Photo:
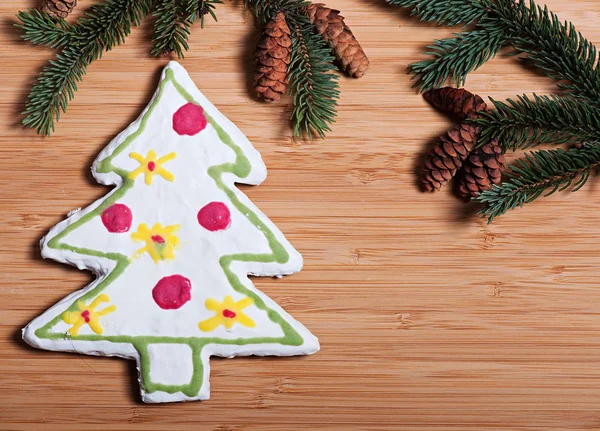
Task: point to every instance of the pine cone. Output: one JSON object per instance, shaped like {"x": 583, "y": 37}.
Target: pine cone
{"x": 273, "y": 56}
{"x": 447, "y": 157}
{"x": 456, "y": 101}
{"x": 482, "y": 169}
{"x": 58, "y": 8}
{"x": 330, "y": 24}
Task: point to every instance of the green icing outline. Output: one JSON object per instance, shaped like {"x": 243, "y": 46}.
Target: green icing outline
{"x": 241, "y": 168}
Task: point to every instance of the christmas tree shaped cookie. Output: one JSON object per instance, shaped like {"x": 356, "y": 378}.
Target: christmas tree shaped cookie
{"x": 172, "y": 246}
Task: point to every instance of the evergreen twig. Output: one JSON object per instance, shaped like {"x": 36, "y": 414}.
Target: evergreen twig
{"x": 526, "y": 122}
{"x": 206, "y": 7}
{"x": 199, "y": 9}
{"x": 556, "y": 48}
{"x": 174, "y": 19}
{"x": 541, "y": 173}
{"x": 103, "y": 27}
{"x": 267, "y": 9}
{"x": 172, "y": 27}
{"x": 41, "y": 29}
{"x": 454, "y": 58}
{"x": 312, "y": 83}
{"x": 448, "y": 12}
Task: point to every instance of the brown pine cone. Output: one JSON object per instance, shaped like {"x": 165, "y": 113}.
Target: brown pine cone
{"x": 58, "y": 8}
{"x": 273, "y": 56}
{"x": 456, "y": 101}
{"x": 330, "y": 24}
{"x": 448, "y": 155}
{"x": 482, "y": 169}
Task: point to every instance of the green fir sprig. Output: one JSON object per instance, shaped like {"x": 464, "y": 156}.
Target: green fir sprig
{"x": 446, "y": 12}
{"x": 552, "y": 46}
{"x": 454, "y": 58}
{"x": 103, "y": 27}
{"x": 201, "y": 8}
{"x": 527, "y": 122}
{"x": 541, "y": 173}
{"x": 313, "y": 84}
{"x": 556, "y": 48}
{"x": 171, "y": 27}
{"x": 266, "y": 10}
{"x": 40, "y": 29}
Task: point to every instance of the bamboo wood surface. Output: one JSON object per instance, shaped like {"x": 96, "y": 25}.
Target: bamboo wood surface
{"x": 429, "y": 319}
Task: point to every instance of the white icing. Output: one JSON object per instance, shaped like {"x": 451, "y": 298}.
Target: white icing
{"x": 75, "y": 211}
{"x": 196, "y": 257}
{"x": 170, "y": 363}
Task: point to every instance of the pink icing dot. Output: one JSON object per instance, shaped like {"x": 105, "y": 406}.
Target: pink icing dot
{"x": 189, "y": 120}
{"x": 229, "y": 314}
{"x": 157, "y": 239}
{"x": 171, "y": 292}
{"x": 117, "y": 218}
{"x": 214, "y": 216}
{"x": 151, "y": 166}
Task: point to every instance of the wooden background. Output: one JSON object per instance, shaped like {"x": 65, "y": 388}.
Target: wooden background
{"x": 429, "y": 319}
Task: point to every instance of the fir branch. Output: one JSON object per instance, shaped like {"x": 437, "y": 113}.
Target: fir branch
{"x": 267, "y": 9}
{"x": 541, "y": 172}
{"x": 557, "y": 49}
{"x": 41, "y": 29}
{"x": 199, "y": 9}
{"x": 312, "y": 83}
{"x": 526, "y": 123}
{"x": 454, "y": 58}
{"x": 172, "y": 27}
{"x": 448, "y": 12}
{"x": 207, "y": 7}
{"x": 103, "y": 27}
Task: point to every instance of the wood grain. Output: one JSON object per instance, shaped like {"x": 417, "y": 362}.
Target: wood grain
{"x": 429, "y": 319}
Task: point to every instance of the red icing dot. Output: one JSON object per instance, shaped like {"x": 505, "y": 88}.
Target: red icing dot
{"x": 214, "y": 216}
{"x": 86, "y": 316}
{"x": 171, "y": 292}
{"x": 229, "y": 314}
{"x": 157, "y": 239}
{"x": 189, "y": 120}
{"x": 117, "y": 218}
{"x": 151, "y": 166}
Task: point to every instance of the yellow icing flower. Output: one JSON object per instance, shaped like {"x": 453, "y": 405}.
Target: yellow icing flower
{"x": 150, "y": 166}
{"x": 228, "y": 313}
{"x": 87, "y": 315}
{"x": 160, "y": 241}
